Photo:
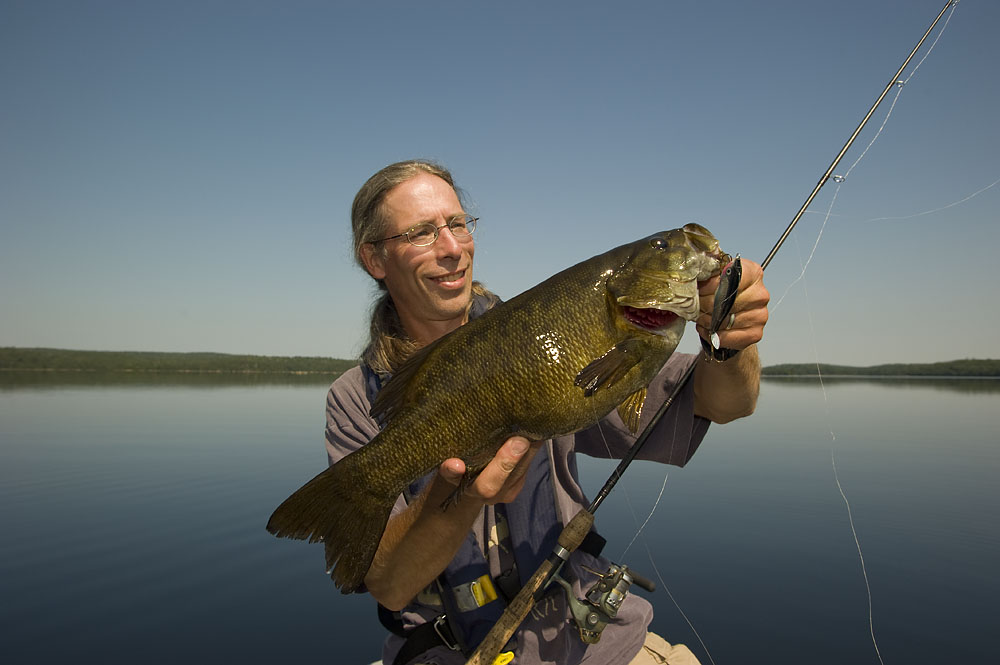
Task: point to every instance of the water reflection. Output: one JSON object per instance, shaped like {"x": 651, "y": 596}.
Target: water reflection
{"x": 136, "y": 509}
{"x": 947, "y": 384}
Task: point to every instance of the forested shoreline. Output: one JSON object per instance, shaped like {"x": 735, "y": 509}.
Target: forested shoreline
{"x": 42, "y": 359}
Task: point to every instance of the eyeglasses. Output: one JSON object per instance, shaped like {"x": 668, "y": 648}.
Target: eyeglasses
{"x": 426, "y": 233}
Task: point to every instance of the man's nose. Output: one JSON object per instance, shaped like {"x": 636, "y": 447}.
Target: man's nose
{"x": 448, "y": 243}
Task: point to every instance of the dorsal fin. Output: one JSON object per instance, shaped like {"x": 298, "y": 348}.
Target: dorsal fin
{"x": 396, "y": 392}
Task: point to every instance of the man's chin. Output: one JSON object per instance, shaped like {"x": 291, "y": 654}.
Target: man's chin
{"x": 456, "y": 305}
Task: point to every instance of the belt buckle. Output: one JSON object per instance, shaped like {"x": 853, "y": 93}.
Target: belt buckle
{"x": 438, "y": 622}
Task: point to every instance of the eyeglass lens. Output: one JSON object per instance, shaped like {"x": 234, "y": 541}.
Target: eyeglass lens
{"x": 426, "y": 233}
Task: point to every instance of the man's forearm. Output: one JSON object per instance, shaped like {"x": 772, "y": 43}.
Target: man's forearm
{"x": 725, "y": 391}
{"x": 418, "y": 544}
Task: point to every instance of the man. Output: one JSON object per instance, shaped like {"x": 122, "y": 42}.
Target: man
{"x": 414, "y": 237}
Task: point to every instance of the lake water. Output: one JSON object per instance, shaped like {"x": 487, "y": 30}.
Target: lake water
{"x": 134, "y": 512}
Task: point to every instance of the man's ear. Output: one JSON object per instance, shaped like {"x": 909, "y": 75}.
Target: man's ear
{"x": 373, "y": 260}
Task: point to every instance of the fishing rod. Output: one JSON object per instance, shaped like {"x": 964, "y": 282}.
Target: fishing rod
{"x": 895, "y": 80}
{"x": 634, "y": 450}
{"x": 578, "y": 528}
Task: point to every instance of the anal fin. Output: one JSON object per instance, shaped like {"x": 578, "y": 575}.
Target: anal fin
{"x": 631, "y": 409}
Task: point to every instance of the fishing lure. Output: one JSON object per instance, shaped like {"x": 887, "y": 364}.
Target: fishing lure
{"x": 725, "y": 296}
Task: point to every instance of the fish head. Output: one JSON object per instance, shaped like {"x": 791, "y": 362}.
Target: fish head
{"x": 656, "y": 287}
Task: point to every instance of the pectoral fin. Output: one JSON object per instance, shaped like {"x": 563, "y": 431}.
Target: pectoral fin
{"x": 610, "y": 367}
{"x": 631, "y": 409}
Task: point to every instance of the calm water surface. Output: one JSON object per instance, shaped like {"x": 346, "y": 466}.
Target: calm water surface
{"x": 134, "y": 517}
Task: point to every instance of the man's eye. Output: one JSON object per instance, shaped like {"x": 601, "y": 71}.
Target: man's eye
{"x": 421, "y": 232}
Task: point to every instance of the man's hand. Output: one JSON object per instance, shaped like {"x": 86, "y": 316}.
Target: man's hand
{"x": 724, "y": 391}
{"x": 502, "y": 478}
{"x": 749, "y": 312}
{"x": 420, "y": 541}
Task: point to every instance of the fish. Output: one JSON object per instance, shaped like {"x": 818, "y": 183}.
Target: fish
{"x": 551, "y": 361}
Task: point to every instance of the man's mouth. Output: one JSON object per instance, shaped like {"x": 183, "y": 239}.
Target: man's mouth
{"x": 449, "y": 278}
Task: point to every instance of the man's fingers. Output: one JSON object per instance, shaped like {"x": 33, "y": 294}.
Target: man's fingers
{"x": 452, "y": 470}
{"x": 503, "y": 476}
{"x": 750, "y": 306}
{"x": 514, "y": 481}
{"x": 511, "y": 453}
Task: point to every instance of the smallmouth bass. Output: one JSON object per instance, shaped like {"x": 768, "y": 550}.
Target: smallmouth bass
{"x": 550, "y": 361}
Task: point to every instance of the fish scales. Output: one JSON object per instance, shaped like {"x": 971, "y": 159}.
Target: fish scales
{"x": 550, "y": 361}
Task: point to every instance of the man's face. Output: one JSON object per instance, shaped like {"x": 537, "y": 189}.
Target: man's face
{"x": 431, "y": 286}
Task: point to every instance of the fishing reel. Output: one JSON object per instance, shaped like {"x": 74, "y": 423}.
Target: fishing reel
{"x": 603, "y": 600}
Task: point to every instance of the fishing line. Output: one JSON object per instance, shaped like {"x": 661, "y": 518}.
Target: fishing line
{"x": 954, "y": 4}
{"x": 652, "y": 562}
{"x": 847, "y": 146}
{"x": 857, "y": 543}
{"x": 502, "y": 631}
{"x": 929, "y": 212}
{"x": 833, "y": 463}
{"x": 648, "y": 517}
{"x": 674, "y": 601}
{"x": 628, "y": 500}
{"x": 885, "y": 121}
{"x": 829, "y": 212}
{"x": 839, "y": 179}
{"x": 923, "y": 213}
{"x": 900, "y": 84}
{"x": 635, "y": 518}
{"x": 911, "y": 216}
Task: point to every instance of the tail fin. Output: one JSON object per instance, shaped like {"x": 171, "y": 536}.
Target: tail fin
{"x": 334, "y": 508}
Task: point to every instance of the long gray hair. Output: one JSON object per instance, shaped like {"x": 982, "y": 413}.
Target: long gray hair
{"x": 388, "y": 343}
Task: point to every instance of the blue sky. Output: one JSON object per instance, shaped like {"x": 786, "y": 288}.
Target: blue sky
{"x": 177, "y": 176}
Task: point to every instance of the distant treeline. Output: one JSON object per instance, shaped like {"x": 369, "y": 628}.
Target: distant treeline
{"x": 14, "y": 358}
{"x": 956, "y": 368}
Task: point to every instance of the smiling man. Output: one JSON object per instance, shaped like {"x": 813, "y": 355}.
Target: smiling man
{"x": 441, "y": 576}
{"x": 431, "y": 284}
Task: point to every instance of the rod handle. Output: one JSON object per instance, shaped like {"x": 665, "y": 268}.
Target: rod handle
{"x": 570, "y": 538}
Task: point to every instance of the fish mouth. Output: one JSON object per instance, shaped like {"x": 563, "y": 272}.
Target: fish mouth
{"x": 649, "y": 318}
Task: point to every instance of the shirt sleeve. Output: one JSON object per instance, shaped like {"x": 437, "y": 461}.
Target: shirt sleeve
{"x": 676, "y": 436}
{"x": 348, "y": 423}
